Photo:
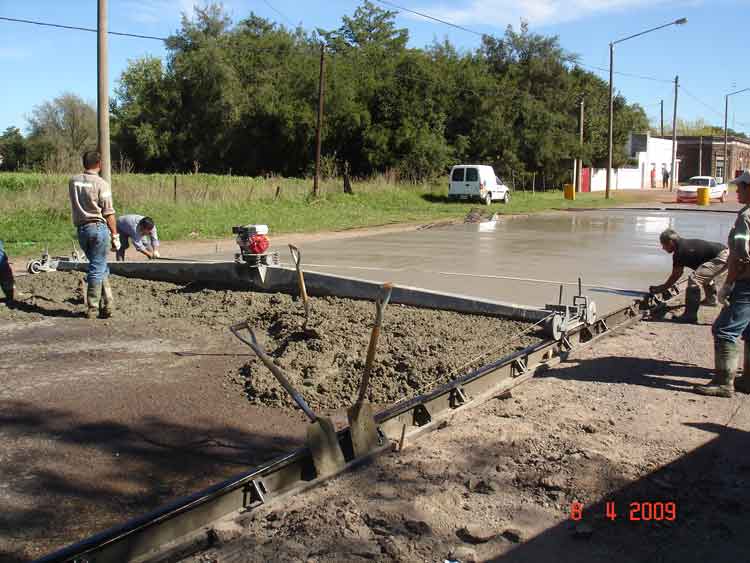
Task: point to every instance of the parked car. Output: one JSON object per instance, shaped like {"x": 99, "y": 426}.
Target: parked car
{"x": 689, "y": 192}
{"x": 477, "y": 181}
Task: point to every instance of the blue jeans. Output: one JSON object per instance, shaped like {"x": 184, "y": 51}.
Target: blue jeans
{"x": 94, "y": 240}
{"x": 734, "y": 320}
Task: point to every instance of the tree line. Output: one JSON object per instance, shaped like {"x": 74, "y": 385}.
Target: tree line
{"x": 242, "y": 98}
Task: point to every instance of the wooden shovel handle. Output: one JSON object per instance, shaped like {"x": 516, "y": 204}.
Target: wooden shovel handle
{"x": 380, "y": 306}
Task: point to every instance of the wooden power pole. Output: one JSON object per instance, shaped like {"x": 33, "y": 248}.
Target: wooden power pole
{"x": 316, "y": 185}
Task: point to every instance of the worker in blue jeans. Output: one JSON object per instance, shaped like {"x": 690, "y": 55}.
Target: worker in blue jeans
{"x": 94, "y": 218}
{"x": 734, "y": 319}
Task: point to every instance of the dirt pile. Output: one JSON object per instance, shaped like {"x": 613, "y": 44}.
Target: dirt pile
{"x": 418, "y": 348}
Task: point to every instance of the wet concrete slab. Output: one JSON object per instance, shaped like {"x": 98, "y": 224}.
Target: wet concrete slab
{"x": 524, "y": 260}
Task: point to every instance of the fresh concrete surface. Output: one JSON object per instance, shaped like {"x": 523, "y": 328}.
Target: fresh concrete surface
{"x": 523, "y": 260}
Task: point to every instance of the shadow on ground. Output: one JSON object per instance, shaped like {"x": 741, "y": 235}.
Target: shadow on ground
{"x": 709, "y": 489}
{"x": 119, "y": 471}
{"x": 633, "y": 371}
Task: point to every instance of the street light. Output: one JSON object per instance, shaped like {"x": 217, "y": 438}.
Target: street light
{"x": 726, "y": 112}
{"x": 681, "y": 21}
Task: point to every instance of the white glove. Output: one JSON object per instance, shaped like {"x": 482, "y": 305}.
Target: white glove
{"x": 116, "y": 242}
{"x": 725, "y": 292}
{"x": 156, "y": 254}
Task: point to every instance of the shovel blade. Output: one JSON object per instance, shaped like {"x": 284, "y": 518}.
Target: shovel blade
{"x": 363, "y": 429}
{"x": 324, "y": 445}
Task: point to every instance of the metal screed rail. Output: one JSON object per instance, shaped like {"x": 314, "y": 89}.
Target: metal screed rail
{"x": 182, "y": 527}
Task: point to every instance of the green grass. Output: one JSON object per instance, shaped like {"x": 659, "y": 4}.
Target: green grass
{"x": 34, "y": 208}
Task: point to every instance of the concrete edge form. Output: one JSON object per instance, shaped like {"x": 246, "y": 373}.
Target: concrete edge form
{"x": 280, "y": 279}
{"x": 143, "y": 538}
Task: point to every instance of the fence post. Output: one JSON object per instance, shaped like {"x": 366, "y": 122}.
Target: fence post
{"x": 175, "y": 188}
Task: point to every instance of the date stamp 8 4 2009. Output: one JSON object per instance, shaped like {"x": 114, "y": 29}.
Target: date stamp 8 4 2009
{"x": 637, "y": 511}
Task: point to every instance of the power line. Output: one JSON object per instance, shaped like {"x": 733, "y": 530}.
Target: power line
{"x": 701, "y": 102}
{"x": 267, "y": 3}
{"x": 76, "y": 28}
{"x": 640, "y": 76}
{"x": 466, "y": 29}
{"x": 429, "y": 17}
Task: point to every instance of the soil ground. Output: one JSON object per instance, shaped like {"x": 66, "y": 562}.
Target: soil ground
{"x": 617, "y": 422}
{"x": 109, "y": 419}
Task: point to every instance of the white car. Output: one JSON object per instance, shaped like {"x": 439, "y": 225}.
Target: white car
{"x": 689, "y": 193}
{"x": 477, "y": 181}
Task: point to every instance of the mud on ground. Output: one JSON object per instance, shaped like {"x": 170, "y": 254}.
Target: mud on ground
{"x": 418, "y": 348}
{"x": 614, "y": 425}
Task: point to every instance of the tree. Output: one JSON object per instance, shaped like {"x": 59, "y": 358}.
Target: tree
{"x": 244, "y": 97}
{"x": 60, "y": 131}
{"x": 13, "y": 149}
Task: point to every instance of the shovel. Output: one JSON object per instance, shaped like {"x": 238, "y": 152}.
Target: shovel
{"x": 321, "y": 434}
{"x": 297, "y": 258}
{"x": 364, "y": 431}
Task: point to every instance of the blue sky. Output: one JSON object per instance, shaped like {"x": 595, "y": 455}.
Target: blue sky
{"x": 39, "y": 63}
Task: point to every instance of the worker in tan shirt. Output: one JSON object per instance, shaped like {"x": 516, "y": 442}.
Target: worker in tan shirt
{"x": 94, "y": 218}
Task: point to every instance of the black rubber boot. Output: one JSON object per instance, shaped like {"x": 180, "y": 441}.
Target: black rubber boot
{"x": 726, "y": 357}
{"x": 9, "y": 290}
{"x": 692, "y": 304}
{"x": 742, "y": 384}
{"x": 93, "y": 297}
{"x": 710, "y": 300}
{"x": 108, "y": 302}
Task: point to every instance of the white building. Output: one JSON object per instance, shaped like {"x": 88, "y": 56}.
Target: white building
{"x": 653, "y": 155}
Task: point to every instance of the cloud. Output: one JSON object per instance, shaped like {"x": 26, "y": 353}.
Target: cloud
{"x": 499, "y": 13}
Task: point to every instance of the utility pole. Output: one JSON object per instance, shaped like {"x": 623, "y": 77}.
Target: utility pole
{"x": 610, "y": 133}
{"x": 674, "y": 135}
{"x": 102, "y": 99}
{"x": 662, "y": 118}
{"x": 726, "y": 135}
{"x": 700, "y": 156}
{"x": 320, "y": 121}
{"x": 580, "y": 143}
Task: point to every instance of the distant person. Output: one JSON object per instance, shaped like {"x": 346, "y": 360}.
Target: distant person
{"x": 665, "y": 178}
{"x": 94, "y": 218}
{"x": 708, "y": 260}
{"x": 142, "y": 231}
{"x": 653, "y": 177}
{"x": 734, "y": 319}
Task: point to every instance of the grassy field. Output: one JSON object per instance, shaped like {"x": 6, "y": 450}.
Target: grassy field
{"x": 34, "y": 208}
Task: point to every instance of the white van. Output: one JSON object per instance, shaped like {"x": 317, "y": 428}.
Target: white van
{"x": 477, "y": 181}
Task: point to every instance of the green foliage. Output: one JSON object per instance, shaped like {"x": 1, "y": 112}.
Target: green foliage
{"x": 243, "y": 97}
{"x": 13, "y": 149}
{"x": 60, "y": 131}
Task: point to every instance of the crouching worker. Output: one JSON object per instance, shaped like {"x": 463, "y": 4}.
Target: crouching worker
{"x": 708, "y": 260}
{"x": 94, "y": 218}
{"x": 734, "y": 318}
{"x": 142, "y": 231}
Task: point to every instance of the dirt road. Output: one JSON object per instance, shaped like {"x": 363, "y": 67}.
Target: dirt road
{"x": 616, "y": 423}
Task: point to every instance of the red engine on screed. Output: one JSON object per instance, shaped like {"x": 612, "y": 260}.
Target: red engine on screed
{"x": 252, "y": 239}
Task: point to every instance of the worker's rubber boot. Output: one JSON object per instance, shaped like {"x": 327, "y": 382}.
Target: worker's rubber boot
{"x": 108, "y": 304}
{"x": 726, "y": 356}
{"x": 692, "y": 304}
{"x": 9, "y": 290}
{"x": 93, "y": 297}
{"x": 710, "y": 300}
{"x": 742, "y": 384}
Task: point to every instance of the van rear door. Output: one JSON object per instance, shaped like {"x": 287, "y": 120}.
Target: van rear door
{"x": 471, "y": 181}
{"x": 457, "y": 181}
